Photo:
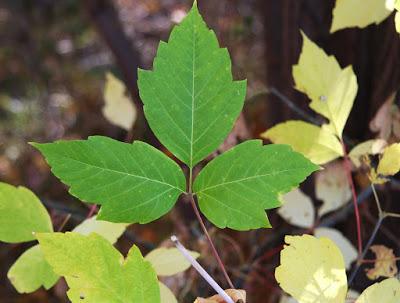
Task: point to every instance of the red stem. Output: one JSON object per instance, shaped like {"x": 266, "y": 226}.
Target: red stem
{"x": 213, "y": 249}
{"x": 347, "y": 167}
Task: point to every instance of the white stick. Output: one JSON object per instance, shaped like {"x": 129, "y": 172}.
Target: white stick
{"x": 201, "y": 270}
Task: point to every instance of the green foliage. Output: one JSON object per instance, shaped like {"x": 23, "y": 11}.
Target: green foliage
{"x": 191, "y": 103}
{"x": 31, "y": 271}
{"x": 21, "y": 214}
{"x": 235, "y": 188}
{"x": 189, "y": 98}
{"x": 97, "y": 272}
{"x": 133, "y": 182}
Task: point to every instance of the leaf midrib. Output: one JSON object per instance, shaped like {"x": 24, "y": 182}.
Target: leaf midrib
{"x": 123, "y": 173}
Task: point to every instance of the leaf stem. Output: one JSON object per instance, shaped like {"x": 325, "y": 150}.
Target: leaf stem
{"x": 213, "y": 249}
{"x": 347, "y": 167}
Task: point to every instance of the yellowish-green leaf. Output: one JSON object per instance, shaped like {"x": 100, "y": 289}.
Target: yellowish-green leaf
{"x": 169, "y": 261}
{"x": 332, "y": 90}
{"x": 348, "y": 250}
{"x": 387, "y": 291}
{"x": 359, "y": 13}
{"x": 118, "y": 108}
{"x": 31, "y": 271}
{"x": 167, "y": 296}
{"x": 297, "y": 209}
{"x": 397, "y": 17}
{"x": 21, "y": 214}
{"x": 312, "y": 270}
{"x": 316, "y": 143}
{"x": 370, "y": 147}
{"x": 108, "y": 230}
{"x": 389, "y": 164}
{"x": 96, "y": 272}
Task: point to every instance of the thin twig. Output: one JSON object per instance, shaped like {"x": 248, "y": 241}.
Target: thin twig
{"x": 347, "y": 167}
{"x": 378, "y": 203}
{"x": 64, "y": 222}
{"x": 213, "y": 249}
{"x": 363, "y": 254}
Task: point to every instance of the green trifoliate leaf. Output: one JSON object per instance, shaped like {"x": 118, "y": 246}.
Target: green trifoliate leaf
{"x": 133, "y": 182}
{"x": 21, "y": 214}
{"x": 97, "y": 273}
{"x": 190, "y": 99}
{"x": 31, "y": 271}
{"x": 236, "y": 187}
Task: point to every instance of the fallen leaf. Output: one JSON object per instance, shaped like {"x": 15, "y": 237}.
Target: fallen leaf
{"x": 385, "y": 264}
{"x": 297, "y": 209}
{"x": 389, "y": 164}
{"x": 312, "y": 270}
{"x": 332, "y": 187}
{"x": 118, "y": 108}
{"x": 387, "y": 291}
{"x": 383, "y": 119}
{"x": 237, "y": 295}
{"x": 348, "y": 250}
{"x": 370, "y": 147}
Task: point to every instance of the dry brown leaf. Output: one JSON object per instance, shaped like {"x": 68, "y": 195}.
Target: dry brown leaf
{"x": 387, "y": 120}
{"x": 385, "y": 264}
{"x": 237, "y": 295}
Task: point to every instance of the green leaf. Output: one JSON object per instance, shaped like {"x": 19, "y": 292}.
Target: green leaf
{"x": 190, "y": 99}
{"x": 21, "y": 214}
{"x": 31, "y": 271}
{"x": 169, "y": 261}
{"x": 167, "y": 296}
{"x": 133, "y": 182}
{"x": 318, "y": 144}
{"x": 96, "y": 272}
{"x": 235, "y": 188}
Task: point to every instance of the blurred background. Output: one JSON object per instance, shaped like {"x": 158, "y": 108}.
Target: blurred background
{"x": 54, "y": 55}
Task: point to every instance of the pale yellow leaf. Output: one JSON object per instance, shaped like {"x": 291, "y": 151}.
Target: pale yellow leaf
{"x": 332, "y": 187}
{"x": 166, "y": 295}
{"x": 387, "y": 291}
{"x": 316, "y": 143}
{"x": 287, "y": 299}
{"x": 389, "y": 164}
{"x": 297, "y": 209}
{"x": 351, "y": 296}
{"x": 108, "y": 230}
{"x": 169, "y": 261}
{"x": 118, "y": 108}
{"x": 315, "y": 72}
{"x": 312, "y": 270}
{"x": 397, "y": 16}
{"x": 237, "y": 295}
{"x": 359, "y": 13}
{"x": 332, "y": 90}
{"x": 370, "y": 147}
{"x": 348, "y": 250}
{"x": 385, "y": 263}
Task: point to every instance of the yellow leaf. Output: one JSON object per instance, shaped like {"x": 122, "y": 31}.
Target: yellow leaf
{"x": 389, "y": 164}
{"x": 348, "y": 250}
{"x": 168, "y": 261}
{"x": 397, "y": 17}
{"x": 370, "y": 147}
{"x": 387, "y": 291}
{"x": 359, "y": 13}
{"x": 297, "y": 209}
{"x": 315, "y": 72}
{"x": 166, "y": 295}
{"x": 237, "y": 295}
{"x": 385, "y": 263}
{"x": 332, "y": 90}
{"x": 315, "y": 143}
{"x": 332, "y": 187}
{"x": 312, "y": 270}
{"x": 118, "y": 108}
